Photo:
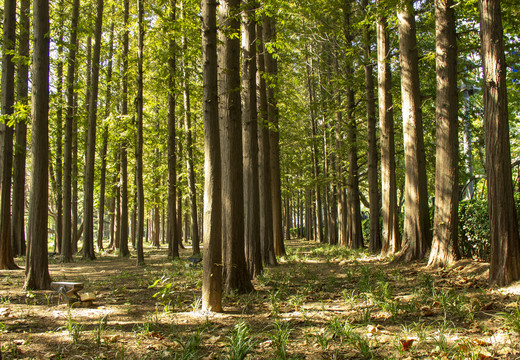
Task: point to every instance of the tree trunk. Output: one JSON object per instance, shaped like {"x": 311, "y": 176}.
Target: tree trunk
{"x": 7, "y": 108}
{"x": 271, "y": 70}
{"x": 264, "y": 174}
{"x": 212, "y": 261}
{"x": 88, "y": 237}
{"x": 416, "y": 235}
{"x": 235, "y": 275}
{"x": 250, "y": 143}
{"x": 505, "y": 242}
{"x": 373, "y": 183}
{"x": 59, "y": 136}
{"x": 445, "y": 249}
{"x": 18, "y": 205}
{"x": 391, "y": 240}
{"x": 37, "y": 268}
{"x": 139, "y": 144}
{"x": 123, "y": 245}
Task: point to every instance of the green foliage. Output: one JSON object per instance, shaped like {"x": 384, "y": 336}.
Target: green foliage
{"x": 280, "y": 338}
{"x": 240, "y": 342}
{"x": 512, "y": 319}
{"x": 74, "y": 328}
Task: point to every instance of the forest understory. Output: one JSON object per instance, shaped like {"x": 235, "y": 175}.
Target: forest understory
{"x": 320, "y": 302}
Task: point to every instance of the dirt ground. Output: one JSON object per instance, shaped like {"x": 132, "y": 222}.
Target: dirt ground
{"x": 320, "y": 302}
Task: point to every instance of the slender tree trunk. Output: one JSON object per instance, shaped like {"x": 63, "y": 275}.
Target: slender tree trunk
{"x": 139, "y": 144}
{"x": 88, "y": 237}
{"x": 264, "y": 176}
{"x": 445, "y": 249}
{"x": 212, "y": 263}
{"x": 18, "y": 205}
{"x": 373, "y": 183}
{"x": 123, "y": 246}
{"x": 37, "y": 268}
{"x": 59, "y": 137}
{"x": 391, "y": 240}
{"x": 250, "y": 142}
{"x": 505, "y": 242}
{"x": 235, "y": 275}
{"x": 7, "y": 108}
{"x": 416, "y": 235}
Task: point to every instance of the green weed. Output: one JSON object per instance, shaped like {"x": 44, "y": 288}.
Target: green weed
{"x": 240, "y": 342}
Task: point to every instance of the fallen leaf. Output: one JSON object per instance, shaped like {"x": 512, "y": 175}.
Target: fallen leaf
{"x": 481, "y": 342}
{"x": 487, "y": 306}
{"x": 5, "y": 311}
{"x": 373, "y": 329}
{"x": 19, "y": 342}
{"x": 406, "y": 343}
{"x": 426, "y": 311}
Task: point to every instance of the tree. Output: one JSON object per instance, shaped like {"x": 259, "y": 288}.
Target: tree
{"x": 68, "y": 229}
{"x": 391, "y": 242}
{"x": 445, "y": 233}
{"x": 373, "y": 184}
{"x": 173, "y": 240}
{"x": 416, "y": 233}
{"x": 250, "y": 142}
{"x": 88, "y": 238}
{"x": 7, "y": 108}
{"x": 37, "y": 268}
{"x": 212, "y": 261}
{"x": 139, "y": 144}
{"x": 123, "y": 244}
{"x": 20, "y": 153}
{"x": 505, "y": 241}
{"x": 235, "y": 275}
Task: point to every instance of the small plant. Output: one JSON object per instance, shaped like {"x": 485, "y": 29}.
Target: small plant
{"x": 280, "y": 338}
{"x": 102, "y": 325}
{"x": 240, "y": 342}
{"x": 512, "y": 319}
{"x": 323, "y": 338}
{"x": 190, "y": 347}
{"x": 74, "y": 328}
{"x": 30, "y": 298}
{"x": 274, "y": 299}
{"x": 297, "y": 301}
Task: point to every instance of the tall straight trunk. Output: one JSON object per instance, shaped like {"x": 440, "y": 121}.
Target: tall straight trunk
{"x": 104, "y": 146}
{"x": 88, "y": 209}
{"x": 315, "y": 155}
{"x": 288, "y": 218}
{"x": 139, "y": 144}
{"x": 37, "y": 267}
{"x": 416, "y": 234}
{"x": 373, "y": 183}
{"x": 390, "y": 237}
{"x": 59, "y": 137}
{"x": 235, "y": 275}
{"x": 173, "y": 240}
{"x": 271, "y": 70}
{"x": 195, "y": 241}
{"x": 445, "y": 250}
{"x": 74, "y": 180}
{"x": 123, "y": 245}
{"x": 250, "y": 142}
{"x": 505, "y": 242}
{"x": 7, "y": 108}
{"x": 22, "y": 79}
{"x": 354, "y": 229}
{"x": 264, "y": 173}
{"x": 340, "y": 178}
{"x": 212, "y": 261}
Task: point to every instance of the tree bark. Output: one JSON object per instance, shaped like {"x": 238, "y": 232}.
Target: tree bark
{"x": 7, "y": 108}
{"x": 88, "y": 236}
{"x": 505, "y": 242}
{"x": 390, "y": 237}
{"x": 416, "y": 234}
{"x": 212, "y": 261}
{"x": 139, "y": 144}
{"x": 37, "y": 268}
{"x": 250, "y": 142}
{"x": 445, "y": 249}
{"x": 20, "y": 153}
{"x": 235, "y": 275}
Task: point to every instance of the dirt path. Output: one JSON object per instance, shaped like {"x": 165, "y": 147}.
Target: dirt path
{"x": 321, "y": 302}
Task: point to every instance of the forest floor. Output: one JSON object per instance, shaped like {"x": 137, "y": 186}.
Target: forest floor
{"x": 320, "y": 302}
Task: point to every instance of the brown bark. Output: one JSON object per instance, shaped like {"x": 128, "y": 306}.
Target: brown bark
{"x": 139, "y": 141}
{"x": 445, "y": 249}
{"x": 7, "y": 108}
{"x": 212, "y": 263}
{"x": 505, "y": 242}
{"x": 416, "y": 234}
{"x": 250, "y": 143}
{"x": 390, "y": 237}
{"x": 37, "y": 269}
{"x": 235, "y": 275}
